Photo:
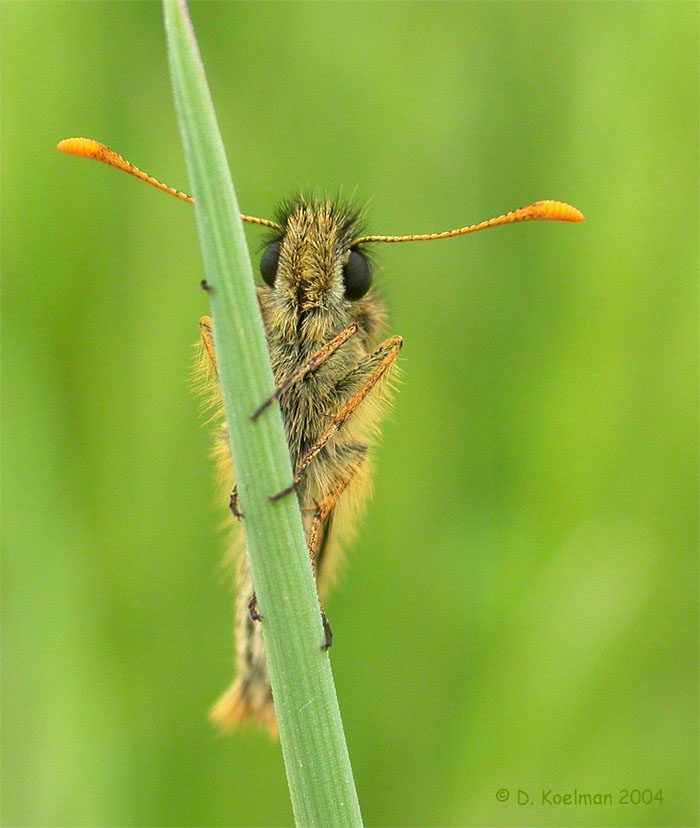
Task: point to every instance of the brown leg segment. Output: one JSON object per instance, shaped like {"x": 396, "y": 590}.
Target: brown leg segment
{"x": 324, "y": 508}
{"x": 327, "y": 632}
{"x": 253, "y": 608}
{"x": 233, "y": 504}
{"x": 390, "y": 350}
{"x": 313, "y": 362}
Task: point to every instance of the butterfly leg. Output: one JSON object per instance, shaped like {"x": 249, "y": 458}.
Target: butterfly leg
{"x": 325, "y": 507}
{"x": 253, "y": 608}
{"x": 321, "y": 513}
{"x": 233, "y": 504}
{"x": 316, "y": 359}
{"x": 368, "y": 372}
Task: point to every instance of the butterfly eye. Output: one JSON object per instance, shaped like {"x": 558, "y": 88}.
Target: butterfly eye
{"x": 357, "y": 276}
{"x": 269, "y": 261}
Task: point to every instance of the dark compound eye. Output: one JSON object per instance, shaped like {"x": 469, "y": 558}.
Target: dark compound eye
{"x": 357, "y": 276}
{"x": 268, "y": 262}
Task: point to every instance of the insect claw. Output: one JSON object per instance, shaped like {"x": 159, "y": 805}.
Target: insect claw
{"x": 327, "y": 632}
{"x": 268, "y": 402}
{"x": 318, "y": 511}
{"x": 283, "y": 493}
{"x": 253, "y": 608}
{"x": 233, "y": 505}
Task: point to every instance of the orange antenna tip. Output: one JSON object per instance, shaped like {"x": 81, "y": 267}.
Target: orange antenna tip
{"x": 539, "y": 211}
{"x": 87, "y": 148}
{"x": 553, "y": 211}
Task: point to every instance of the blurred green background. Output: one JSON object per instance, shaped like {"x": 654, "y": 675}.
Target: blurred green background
{"x": 521, "y": 607}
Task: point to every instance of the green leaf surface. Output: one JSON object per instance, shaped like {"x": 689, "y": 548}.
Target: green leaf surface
{"x": 311, "y": 733}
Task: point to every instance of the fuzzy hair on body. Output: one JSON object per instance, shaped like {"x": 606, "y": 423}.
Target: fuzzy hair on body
{"x": 304, "y": 308}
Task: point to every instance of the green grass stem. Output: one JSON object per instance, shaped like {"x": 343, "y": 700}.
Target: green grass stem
{"x": 311, "y": 732}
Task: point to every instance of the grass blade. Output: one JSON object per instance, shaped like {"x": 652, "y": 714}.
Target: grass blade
{"x": 311, "y": 733}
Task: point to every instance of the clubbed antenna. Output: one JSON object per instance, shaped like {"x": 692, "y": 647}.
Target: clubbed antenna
{"x": 87, "y": 148}
{"x": 539, "y": 211}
